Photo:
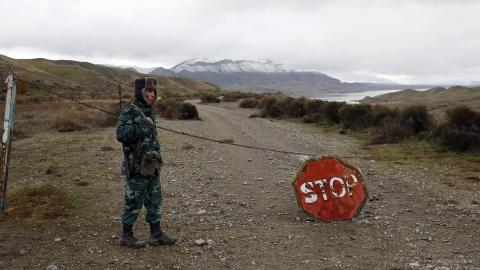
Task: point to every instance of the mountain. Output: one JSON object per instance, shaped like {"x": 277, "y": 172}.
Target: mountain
{"x": 87, "y": 79}
{"x": 266, "y": 76}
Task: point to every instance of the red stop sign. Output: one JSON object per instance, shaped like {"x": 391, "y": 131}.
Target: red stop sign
{"x": 330, "y": 189}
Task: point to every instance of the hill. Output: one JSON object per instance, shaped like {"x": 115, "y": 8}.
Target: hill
{"x": 437, "y": 100}
{"x": 87, "y": 79}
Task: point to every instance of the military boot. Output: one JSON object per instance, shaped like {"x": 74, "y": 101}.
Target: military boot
{"x": 128, "y": 240}
{"x": 158, "y": 237}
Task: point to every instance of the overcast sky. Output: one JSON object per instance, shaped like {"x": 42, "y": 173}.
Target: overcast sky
{"x": 424, "y": 41}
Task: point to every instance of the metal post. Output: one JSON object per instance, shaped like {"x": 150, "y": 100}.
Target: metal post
{"x": 120, "y": 96}
{"x": 124, "y": 149}
{"x": 8, "y": 120}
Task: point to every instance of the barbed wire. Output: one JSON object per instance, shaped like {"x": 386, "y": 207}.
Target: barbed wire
{"x": 258, "y": 148}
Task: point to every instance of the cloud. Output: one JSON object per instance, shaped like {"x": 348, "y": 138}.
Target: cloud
{"x": 414, "y": 41}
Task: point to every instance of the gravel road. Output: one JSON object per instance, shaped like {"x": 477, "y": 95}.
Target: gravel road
{"x": 234, "y": 208}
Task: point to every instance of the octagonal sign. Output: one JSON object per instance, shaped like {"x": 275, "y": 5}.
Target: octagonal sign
{"x": 330, "y": 189}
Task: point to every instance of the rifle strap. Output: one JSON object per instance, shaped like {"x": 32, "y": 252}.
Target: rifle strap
{"x": 139, "y": 111}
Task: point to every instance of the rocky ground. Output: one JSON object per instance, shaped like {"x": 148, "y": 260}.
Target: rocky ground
{"x": 234, "y": 208}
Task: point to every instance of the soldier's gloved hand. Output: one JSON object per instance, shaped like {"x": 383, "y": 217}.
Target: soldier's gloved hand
{"x": 149, "y": 121}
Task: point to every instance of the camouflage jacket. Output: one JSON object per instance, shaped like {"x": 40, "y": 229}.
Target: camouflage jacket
{"x": 135, "y": 133}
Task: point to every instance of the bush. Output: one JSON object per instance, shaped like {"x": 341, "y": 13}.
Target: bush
{"x": 168, "y": 108}
{"x": 188, "y": 111}
{"x": 417, "y": 118}
{"x": 171, "y": 108}
{"x": 330, "y": 111}
{"x": 462, "y": 117}
{"x": 379, "y": 113}
{"x": 68, "y": 124}
{"x": 461, "y": 132}
{"x": 355, "y": 116}
{"x": 313, "y": 118}
{"x": 393, "y": 130}
{"x": 460, "y": 139}
{"x": 291, "y": 107}
{"x": 314, "y": 106}
{"x": 210, "y": 98}
{"x": 248, "y": 103}
{"x": 269, "y": 107}
{"x": 102, "y": 119}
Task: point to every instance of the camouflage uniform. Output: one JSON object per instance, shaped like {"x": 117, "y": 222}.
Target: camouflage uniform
{"x": 137, "y": 131}
{"x": 140, "y": 137}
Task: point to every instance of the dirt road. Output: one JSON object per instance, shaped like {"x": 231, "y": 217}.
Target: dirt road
{"x": 421, "y": 215}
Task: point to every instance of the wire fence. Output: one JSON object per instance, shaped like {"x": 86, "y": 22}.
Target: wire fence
{"x": 258, "y": 148}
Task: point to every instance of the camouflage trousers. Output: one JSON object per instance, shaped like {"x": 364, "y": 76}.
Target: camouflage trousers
{"x": 142, "y": 191}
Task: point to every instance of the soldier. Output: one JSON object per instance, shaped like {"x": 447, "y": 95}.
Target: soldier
{"x": 136, "y": 130}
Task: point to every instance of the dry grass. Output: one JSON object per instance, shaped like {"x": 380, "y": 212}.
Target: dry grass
{"x": 52, "y": 167}
{"x": 106, "y": 148}
{"x": 37, "y": 203}
{"x": 82, "y": 119}
{"x": 69, "y": 124}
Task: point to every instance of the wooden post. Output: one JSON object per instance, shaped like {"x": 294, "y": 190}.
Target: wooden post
{"x": 8, "y": 120}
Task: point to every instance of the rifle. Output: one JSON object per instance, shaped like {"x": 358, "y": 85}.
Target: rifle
{"x": 124, "y": 149}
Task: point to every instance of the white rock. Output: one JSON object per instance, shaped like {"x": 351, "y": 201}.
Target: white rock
{"x": 51, "y": 267}
{"x": 57, "y": 239}
{"x": 414, "y": 264}
{"x": 200, "y": 242}
{"x": 201, "y": 212}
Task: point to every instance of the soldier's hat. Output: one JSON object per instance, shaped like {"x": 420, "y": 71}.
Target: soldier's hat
{"x": 141, "y": 85}
{"x": 146, "y": 83}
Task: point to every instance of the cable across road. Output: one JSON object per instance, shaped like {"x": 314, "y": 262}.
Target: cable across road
{"x": 227, "y": 142}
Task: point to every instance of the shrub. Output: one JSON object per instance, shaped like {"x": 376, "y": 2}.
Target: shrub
{"x": 393, "y": 130}
{"x": 248, "y": 103}
{"x": 461, "y": 132}
{"x": 314, "y": 106}
{"x": 171, "y": 108}
{"x": 102, "y": 119}
{"x": 355, "y": 116}
{"x": 379, "y": 113}
{"x": 188, "y": 111}
{"x": 168, "y": 108}
{"x": 68, "y": 124}
{"x": 417, "y": 118}
{"x": 292, "y": 107}
{"x": 269, "y": 107}
{"x": 460, "y": 139}
{"x": 313, "y": 118}
{"x": 330, "y": 112}
{"x": 462, "y": 117}
{"x": 210, "y": 98}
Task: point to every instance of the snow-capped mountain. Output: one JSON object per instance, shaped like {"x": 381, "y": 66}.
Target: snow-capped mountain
{"x": 264, "y": 76}
{"x": 228, "y": 66}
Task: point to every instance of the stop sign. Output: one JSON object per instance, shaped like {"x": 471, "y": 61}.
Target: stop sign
{"x": 330, "y": 189}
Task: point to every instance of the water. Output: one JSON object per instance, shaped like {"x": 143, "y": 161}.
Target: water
{"x": 356, "y": 96}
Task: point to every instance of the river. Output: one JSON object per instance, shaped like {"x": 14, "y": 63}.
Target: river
{"x": 356, "y": 96}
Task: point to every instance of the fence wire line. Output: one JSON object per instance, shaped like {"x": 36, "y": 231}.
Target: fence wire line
{"x": 226, "y": 142}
